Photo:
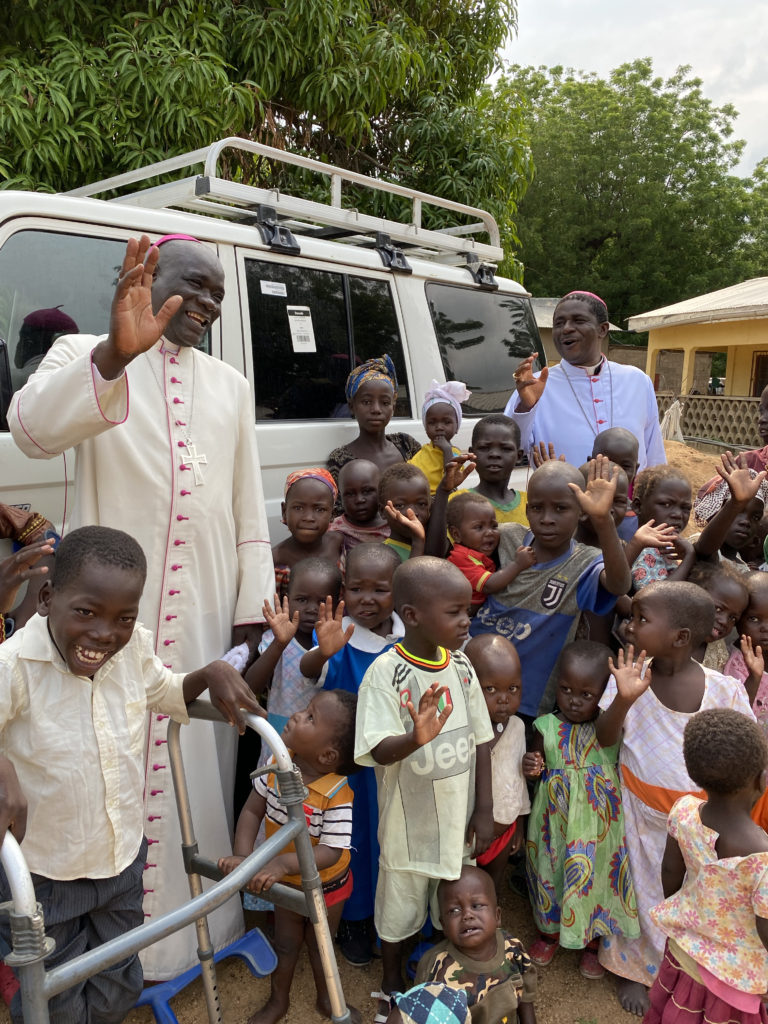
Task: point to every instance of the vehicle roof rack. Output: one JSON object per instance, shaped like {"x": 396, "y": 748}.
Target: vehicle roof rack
{"x": 209, "y": 193}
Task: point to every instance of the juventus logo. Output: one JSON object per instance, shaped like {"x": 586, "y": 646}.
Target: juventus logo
{"x": 553, "y": 592}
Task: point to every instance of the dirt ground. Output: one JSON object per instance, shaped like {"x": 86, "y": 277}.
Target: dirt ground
{"x": 564, "y": 996}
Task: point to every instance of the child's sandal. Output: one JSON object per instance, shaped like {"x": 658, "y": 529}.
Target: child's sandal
{"x": 589, "y": 966}
{"x": 543, "y": 952}
{"x": 383, "y": 997}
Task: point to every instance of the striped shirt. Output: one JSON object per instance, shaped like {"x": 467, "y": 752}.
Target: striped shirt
{"x": 328, "y": 812}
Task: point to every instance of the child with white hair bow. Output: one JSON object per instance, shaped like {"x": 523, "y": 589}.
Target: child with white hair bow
{"x": 441, "y": 416}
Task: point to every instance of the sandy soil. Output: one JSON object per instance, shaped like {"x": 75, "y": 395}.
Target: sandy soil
{"x": 564, "y": 996}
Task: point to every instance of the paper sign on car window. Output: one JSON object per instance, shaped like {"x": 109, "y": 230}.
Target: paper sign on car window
{"x": 273, "y": 288}
{"x": 302, "y": 332}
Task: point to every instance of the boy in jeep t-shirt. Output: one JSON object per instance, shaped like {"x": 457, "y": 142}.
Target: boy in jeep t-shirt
{"x": 423, "y": 723}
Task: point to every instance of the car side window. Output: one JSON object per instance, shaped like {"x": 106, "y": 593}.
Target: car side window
{"x": 51, "y": 283}
{"x": 483, "y": 336}
{"x": 308, "y": 327}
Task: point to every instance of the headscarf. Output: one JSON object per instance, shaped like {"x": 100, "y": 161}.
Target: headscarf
{"x": 311, "y": 474}
{"x": 372, "y": 369}
{"x": 452, "y": 393}
{"x": 432, "y": 1003}
{"x": 714, "y": 494}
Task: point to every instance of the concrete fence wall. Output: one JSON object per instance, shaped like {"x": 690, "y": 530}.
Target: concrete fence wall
{"x": 731, "y": 421}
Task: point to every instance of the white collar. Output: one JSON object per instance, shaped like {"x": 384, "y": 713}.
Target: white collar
{"x": 588, "y": 371}
{"x": 364, "y": 639}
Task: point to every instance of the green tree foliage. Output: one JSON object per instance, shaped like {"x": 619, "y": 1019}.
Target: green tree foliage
{"x": 396, "y": 89}
{"x": 633, "y": 196}
{"x": 755, "y": 244}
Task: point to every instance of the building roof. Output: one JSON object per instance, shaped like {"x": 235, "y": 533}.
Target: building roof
{"x": 745, "y": 301}
{"x": 543, "y": 310}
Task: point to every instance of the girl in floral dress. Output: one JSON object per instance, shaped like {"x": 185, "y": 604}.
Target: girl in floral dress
{"x": 576, "y": 857}
{"x": 715, "y": 877}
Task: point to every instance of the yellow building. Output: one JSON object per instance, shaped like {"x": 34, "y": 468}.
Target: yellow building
{"x": 732, "y": 320}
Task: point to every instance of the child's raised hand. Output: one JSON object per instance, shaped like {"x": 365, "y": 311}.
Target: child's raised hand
{"x": 753, "y": 657}
{"x": 596, "y": 501}
{"x": 742, "y": 485}
{"x": 409, "y": 520}
{"x": 543, "y": 452}
{"x": 525, "y": 557}
{"x": 430, "y": 719}
{"x": 457, "y": 470}
{"x": 533, "y": 765}
{"x": 331, "y": 636}
{"x": 649, "y": 535}
{"x": 627, "y": 672}
{"x": 228, "y": 864}
{"x": 284, "y": 626}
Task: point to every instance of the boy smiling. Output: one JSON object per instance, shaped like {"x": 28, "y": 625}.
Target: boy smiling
{"x": 75, "y": 687}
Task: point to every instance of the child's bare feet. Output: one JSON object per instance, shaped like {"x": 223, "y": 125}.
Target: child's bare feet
{"x": 272, "y": 1011}
{"x": 633, "y": 996}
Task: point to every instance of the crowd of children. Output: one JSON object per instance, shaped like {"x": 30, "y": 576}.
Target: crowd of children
{"x": 469, "y": 675}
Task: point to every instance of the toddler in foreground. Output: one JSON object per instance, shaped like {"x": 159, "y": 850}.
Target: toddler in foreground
{"x": 477, "y": 956}
{"x": 73, "y": 717}
{"x": 715, "y": 879}
{"x": 423, "y": 724}
{"x": 320, "y": 739}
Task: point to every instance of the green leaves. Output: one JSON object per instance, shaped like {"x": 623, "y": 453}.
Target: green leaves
{"x": 396, "y": 89}
{"x": 634, "y": 195}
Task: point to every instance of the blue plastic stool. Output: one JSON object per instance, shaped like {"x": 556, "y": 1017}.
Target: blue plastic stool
{"x": 253, "y": 948}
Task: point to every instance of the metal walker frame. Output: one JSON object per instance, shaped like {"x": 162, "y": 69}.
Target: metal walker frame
{"x": 31, "y": 946}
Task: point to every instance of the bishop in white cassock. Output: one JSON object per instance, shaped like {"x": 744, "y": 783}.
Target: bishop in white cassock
{"x": 585, "y": 394}
{"x": 166, "y": 450}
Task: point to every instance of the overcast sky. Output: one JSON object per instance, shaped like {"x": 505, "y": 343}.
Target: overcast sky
{"x": 724, "y": 41}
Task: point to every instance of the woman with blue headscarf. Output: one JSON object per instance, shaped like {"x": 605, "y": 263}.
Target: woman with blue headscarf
{"x": 371, "y": 392}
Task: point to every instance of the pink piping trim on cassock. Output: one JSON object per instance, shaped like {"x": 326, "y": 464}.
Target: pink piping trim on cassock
{"x": 172, "y": 503}
{"x": 96, "y": 393}
{"x": 34, "y": 442}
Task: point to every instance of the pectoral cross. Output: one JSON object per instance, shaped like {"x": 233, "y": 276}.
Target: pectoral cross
{"x": 196, "y": 461}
